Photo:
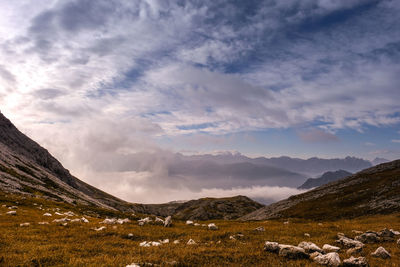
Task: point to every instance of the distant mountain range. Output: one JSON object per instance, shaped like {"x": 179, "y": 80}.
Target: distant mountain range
{"x": 324, "y": 179}
{"x": 375, "y": 190}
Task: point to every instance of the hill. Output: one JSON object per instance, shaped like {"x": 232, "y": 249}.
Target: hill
{"x": 205, "y": 208}
{"x": 372, "y": 191}
{"x": 324, "y": 179}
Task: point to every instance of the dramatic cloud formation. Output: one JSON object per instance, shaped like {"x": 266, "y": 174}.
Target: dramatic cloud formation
{"x": 103, "y": 84}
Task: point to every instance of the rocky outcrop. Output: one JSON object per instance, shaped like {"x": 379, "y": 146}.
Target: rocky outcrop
{"x": 355, "y": 262}
{"x": 324, "y": 179}
{"x": 381, "y": 253}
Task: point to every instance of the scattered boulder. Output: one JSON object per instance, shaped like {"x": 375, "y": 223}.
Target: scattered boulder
{"x": 212, "y": 226}
{"x": 260, "y": 229}
{"x": 314, "y": 255}
{"x": 100, "y": 228}
{"x": 130, "y": 235}
{"x": 196, "y": 224}
{"x": 271, "y": 247}
{"x": 328, "y": 248}
{"x": 292, "y": 252}
{"x": 13, "y": 212}
{"x": 191, "y": 242}
{"x": 355, "y": 262}
{"x": 75, "y": 220}
{"x": 47, "y": 214}
{"x": 62, "y": 220}
{"x": 168, "y": 221}
{"x": 83, "y": 219}
{"x": 69, "y": 213}
{"x": 145, "y": 244}
{"x": 307, "y": 235}
{"x": 24, "y": 224}
{"x": 109, "y": 221}
{"x": 354, "y": 251}
{"x": 395, "y": 232}
{"x": 386, "y": 235}
{"x": 122, "y": 221}
{"x": 368, "y": 237}
{"x": 176, "y": 242}
{"x": 59, "y": 214}
{"x": 133, "y": 265}
{"x": 155, "y": 244}
{"x": 42, "y": 223}
{"x": 381, "y": 253}
{"x": 189, "y": 222}
{"x": 309, "y": 247}
{"x": 348, "y": 242}
{"x": 330, "y": 259}
{"x": 165, "y": 241}
{"x": 287, "y": 222}
{"x": 159, "y": 221}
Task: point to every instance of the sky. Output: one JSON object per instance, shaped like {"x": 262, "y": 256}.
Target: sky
{"x": 94, "y": 80}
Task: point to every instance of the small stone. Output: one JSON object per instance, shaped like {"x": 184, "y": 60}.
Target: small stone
{"x": 159, "y": 221}
{"x": 381, "y": 253}
{"x": 100, "y": 228}
{"x": 24, "y": 224}
{"x": 328, "y": 248}
{"x": 176, "y": 242}
{"x": 13, "y": 212}
{"x": 212, "y": 226}
{"x": 306, "y": 234}
{"x": 47, "y": 214}
{"x": 189, "y": 222}
{"x": 260, "y": 229}
{"x": 355, "y": 262}
{"x": 155, "y": 244}
{"x": 42, "y": 223}
{"x": 330, "y": 259}
{"x": 83, "y": 219}
{"x": 165, "y": 241}
{"x": 191, "y": 242}
{"x": 287, "y": 222}
{"x": 145, "y": 244}
{"x": 168, "y": 221}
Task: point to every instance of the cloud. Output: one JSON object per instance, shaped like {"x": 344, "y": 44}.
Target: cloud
{"x": 317, "y": 136}
{"x": 395, "y": 140}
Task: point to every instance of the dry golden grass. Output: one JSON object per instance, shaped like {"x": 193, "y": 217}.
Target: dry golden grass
{"x": 78, "y": 245}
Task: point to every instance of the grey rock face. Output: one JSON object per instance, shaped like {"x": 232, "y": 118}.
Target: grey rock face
{"x": 271, "y": 247}
{"x": 368, "y": 237}
{"x": 349, "y": 243}
{"x": 309, "y": 247}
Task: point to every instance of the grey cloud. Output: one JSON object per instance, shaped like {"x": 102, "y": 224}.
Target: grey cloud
{"x": 317, "y": 136}
{"x": 7, "y": 75}
{"x": 49, "y": 93}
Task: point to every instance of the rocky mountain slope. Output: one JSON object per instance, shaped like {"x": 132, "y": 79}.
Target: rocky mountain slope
{"x": 205, "y": 208}
{"x": 375, "y": 190}
{"x": 324, "y": 179}
{"x": 28, "y": 168}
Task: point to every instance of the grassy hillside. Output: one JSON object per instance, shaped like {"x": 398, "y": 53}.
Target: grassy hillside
{"x": 373, "y": 191}
{"x": 77, "y": 244}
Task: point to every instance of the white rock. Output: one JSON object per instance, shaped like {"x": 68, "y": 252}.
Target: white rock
{"x": 191, "y": 242}
{"x": 24, "y": 224}
{"x": 168, "y": 221}
{"x": 328, "y": 248}
{"x": 122, "y": 221}
{"x": 12, "y": 207}
{"x": 314, "y": 255}
{"x": 141, "y": 223}
{"x": 309, "y": 247}
{"x": 76, "y": 220}
{"x": 348, "y": 242}
{"x": 145, "y": 220}
{"x": 42, "y": 223}
{"x": 59, "y": 214}
{"x": 320, "y": 224}
{"x": 165, "y": 241}
{"x": 47, "y": 214}
{"x": 109, "y": 221}
{"x": 145, "y": 244}
{"x": 292, "y": 252}
{"x": 395, "y": 232}
{"x": 155, "y": 243}
{"x": 64, "y": 224}
{"x": 232, "y": 237}
{"x": 189, "y": 222}
{"x": 100, "y": 228}
{"x": 69, "y": 213}
{"x": 83, "y": 219}
{"x": 13, "y": 212}
{"x": 196, "y": 224}
{"x": 62, "y": 220}
{"x": 176, "y": 242}
{"x": 260, "y": 229}
{"x": 330, "y": 259}
{"x": 130, "y": 235}
{"x": 287, "y": 222}
{"x": 133, "y": 265}
{"x": 381, "y": 253}
{"x": 306, "y": 234}
{"x": 212, "y": 226}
